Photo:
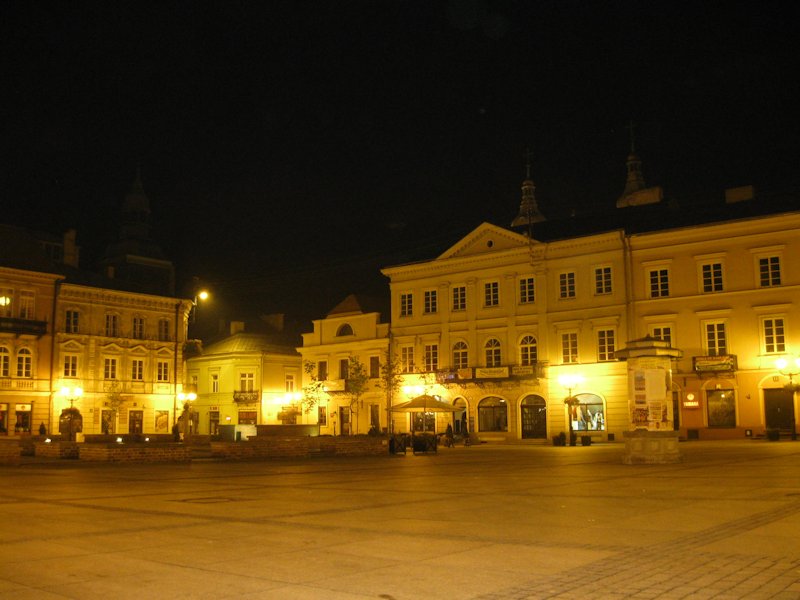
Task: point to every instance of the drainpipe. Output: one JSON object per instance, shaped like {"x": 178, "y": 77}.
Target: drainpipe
{"x": 175, "y": 376}
{"x": 53, "y": 329}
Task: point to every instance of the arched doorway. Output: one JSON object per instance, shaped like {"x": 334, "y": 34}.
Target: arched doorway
{"x": 534, "y": 417}
{"x": 460, "y": 417}
{"x": 492, "y": 414}
{"x": 588, "y": 414}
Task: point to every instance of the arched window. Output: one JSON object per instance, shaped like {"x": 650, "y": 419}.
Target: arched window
{"x": 24, "y": 363}
{"x": 527, "y": 350}
{"x": 460, "y": 355}
{"x": 588, "y": 414}
{"x": 533, "y": 415}
{"x": 492, "y": 414}
{"x": 5, "y": 362}
{"x": 344, "y": 330}
{"x": 492, "y": 348}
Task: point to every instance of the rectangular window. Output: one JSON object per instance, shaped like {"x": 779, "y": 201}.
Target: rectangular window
{"x": 527, "y": 291}
{"x": 5, "y": 362}
{"x": 214, "y": 383}
{"x": 602, "y": 280}
{"x": 774, "y": 335}
{"x": 112, "y": 325}
{"x": 70, "y": 365}
{"x": 26, "y": 306}
{"x": 407, "y": 359}
{"x": 247, "y": 382}
{"x": 431, "y": 304}
{"x": 109, "y": 368}
{"x": 716, "y": 339}
{"x": 493, "y": 353}
{"x": 769, "y": 271}
{"x": 322, "y": 370}
{"x": 460, "y": 298}
{"x": 721, "y": 406}
{"x": 566, "y": 285}
{"x": 138, "y": 328}
{"x": 712, "y": 277}
{"x": 406, "y": 305}
{"x": 375, "y": 416}
{"x": 322, "y": 415}
{"x": 662, "y": 332}
{"x": 71, "y": 321}
{"x": 24, "y": 363}
{"x": 248, "y": 417}
{"x": 374, "y": 367}
{"x": 162, "y": 371}
{"x": 605, "y": 345}
{"x": 289, "y": 383}
{"x": 491, "y": 293}
{"x": 344, "y": 368}
{"x": 460, "y": 356}
{"x": 569, "y": 347}
{"x": 659, "y": 283}
{"x": 164, "y": 330}
{"x": 431, "y": 357}
{"x": 137, "y": 370}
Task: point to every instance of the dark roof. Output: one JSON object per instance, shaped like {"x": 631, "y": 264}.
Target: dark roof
{"x": 250, "y": 342}
{"x": 357, "y": 303}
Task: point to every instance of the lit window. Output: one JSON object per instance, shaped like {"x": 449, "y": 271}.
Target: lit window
{"x": 70, "y": 365}
{"x": 527, "y": 350}
{"x": 247, "y": 382}
{"x": 716, "y": 339}
{"x": 527, "y": 290}
{"x": 493, "y": 354}
{"x": 407, "y": 359}
{"x": 774, "y": 335}
{"x": 214, "y": 383}
{"x": 137, "y": 370}
{"x": 721, "y": 405}
{"x": 492, "y": 414}
{"x": 5, "y": 362}
{"x": 605, "y": 345}
{"x": 569, "y": 347}
{"x": 602, "y": 280}
{"x": 566, "y": 285}
{"x": 162, "y": 371}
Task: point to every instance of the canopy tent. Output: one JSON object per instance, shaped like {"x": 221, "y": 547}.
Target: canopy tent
{"x": 426, "y": 403}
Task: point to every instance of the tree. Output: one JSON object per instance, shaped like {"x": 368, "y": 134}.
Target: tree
{"x": 390, "y": 381}
{"x": 314, "y": 391}
{"x": 356, "y": 383}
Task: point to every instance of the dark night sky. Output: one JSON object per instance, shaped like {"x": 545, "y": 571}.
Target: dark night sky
{"x": 292, "y": 137}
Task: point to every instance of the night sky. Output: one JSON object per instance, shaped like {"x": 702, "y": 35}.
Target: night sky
{"x": 294, "y": 147}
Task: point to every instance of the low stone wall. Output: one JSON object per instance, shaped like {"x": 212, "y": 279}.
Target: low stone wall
{"x": 56, "y": 449}
{"x": 138, "y": 452}
{"x": 300, "y": 447}
{"x": 10, "y": 452}
{"x": 127, "y": 438}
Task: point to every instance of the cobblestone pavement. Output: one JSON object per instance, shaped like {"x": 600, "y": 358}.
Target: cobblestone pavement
{"x": 486, "y": 522}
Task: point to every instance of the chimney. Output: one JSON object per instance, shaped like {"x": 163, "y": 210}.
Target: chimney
{"x": 237, "y": 327}
{"x": 71, "y": 249}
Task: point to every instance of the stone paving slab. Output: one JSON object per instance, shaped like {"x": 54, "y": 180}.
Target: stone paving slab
{"x": 490, "y": 522}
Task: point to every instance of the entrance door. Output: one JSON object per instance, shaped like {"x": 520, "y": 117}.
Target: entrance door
{"x": 778, "y": 409}
{"x": 135, "y": 421}
{"x": 534, "y": 418}
{"x": 344, "y": 420}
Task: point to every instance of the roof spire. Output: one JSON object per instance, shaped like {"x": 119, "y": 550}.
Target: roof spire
{"x": 636, "y": 191}
{"x": 528, "y": 209}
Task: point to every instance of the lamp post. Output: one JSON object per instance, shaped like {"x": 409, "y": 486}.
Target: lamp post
{"x": 71, "y": 395}
{"x": 790, "y": 370}
{"x": 569, "y": 381}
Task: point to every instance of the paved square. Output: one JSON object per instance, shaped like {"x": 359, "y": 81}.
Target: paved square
{"x": 491, "y": 522}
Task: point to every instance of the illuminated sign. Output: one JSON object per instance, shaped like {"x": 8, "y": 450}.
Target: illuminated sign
{"x": 714, "y": 364}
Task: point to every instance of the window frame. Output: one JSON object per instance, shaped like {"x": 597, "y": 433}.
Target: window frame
{"x": 492, "y": 353}
{"x": 606, "y": 344}
{"x": 527, "y": 290}
{"x": 715, "y": 337}
{"x": 406, "y": 304}
{"x": 430, "y": 302}
{"x": 773, "y": 342}
{"x": 569, "y": 347}
{"x": 491, "y": 294}
{"x": 567, "y": 289}
{"x": 69, "y": 366}
{"x": 459, "y": 298}
{"x": 528, "y": 345}
{"x": 137, "y": 368}
{"x": 430, "y": 357}
{"x": 460, "y": 355}
{"x": 603, "y": 280}
{"x": 658, "y": 281}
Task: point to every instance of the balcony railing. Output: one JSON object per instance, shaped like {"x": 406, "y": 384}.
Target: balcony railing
{"x": 23, "y": 326}
{"x": 246, "y": 397}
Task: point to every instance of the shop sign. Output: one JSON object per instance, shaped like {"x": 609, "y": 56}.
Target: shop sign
{"x": 520, "y": 370}
{"x": 23, "y": 408}
{"x": 714, "y": 364}
{"x": 490, "y": 372}
{"x": 334, "y": 385}
{"x": 693, "y": 403}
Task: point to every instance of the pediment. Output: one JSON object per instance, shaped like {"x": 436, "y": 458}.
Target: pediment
{"x": 138, "y": 349}
{"x": 486, "y": 239}
{"x": 112, "y": 347}
{"x": 71, "y": 346}
{"x": 164, "y": 352}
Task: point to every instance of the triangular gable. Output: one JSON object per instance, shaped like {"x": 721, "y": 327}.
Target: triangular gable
{"x": 112, "y": 347}
{"x": 140, "y": 349}
{"x": 71, "y": 346}
{"x": 485, "y": 239}
{"x": 164, "y": 352}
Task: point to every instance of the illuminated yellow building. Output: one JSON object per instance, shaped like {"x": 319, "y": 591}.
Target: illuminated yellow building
{"x": 352, "y": 335}
{"x": 244, "y": 380}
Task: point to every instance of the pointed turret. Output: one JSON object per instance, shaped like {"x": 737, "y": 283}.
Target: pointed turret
{"x": 528, "y": 209}
{"x": 636, "y": 191}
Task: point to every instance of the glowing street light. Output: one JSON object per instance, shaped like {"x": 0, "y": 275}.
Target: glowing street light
{"x": 71, "y": 395}
{"x": 790, "y": 369}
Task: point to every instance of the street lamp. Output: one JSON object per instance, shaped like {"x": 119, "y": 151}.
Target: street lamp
{"x": 71, "y": 395}
{"x": 569, "y": 381}
{"x": 790, "y": 370}
{"x": 200, "y": 296}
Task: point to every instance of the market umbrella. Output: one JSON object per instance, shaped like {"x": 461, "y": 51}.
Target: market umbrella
{"x": 426, "y": 403}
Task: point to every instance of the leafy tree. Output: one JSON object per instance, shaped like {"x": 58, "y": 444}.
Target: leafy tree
{"x": 391, "y": 380}
{"x": 314, "y": 391}
{"x": 114, "y": 401}
{"x": 355, "y": 385}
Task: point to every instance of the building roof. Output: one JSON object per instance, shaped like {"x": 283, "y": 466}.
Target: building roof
{"x": 242, "y": 343}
